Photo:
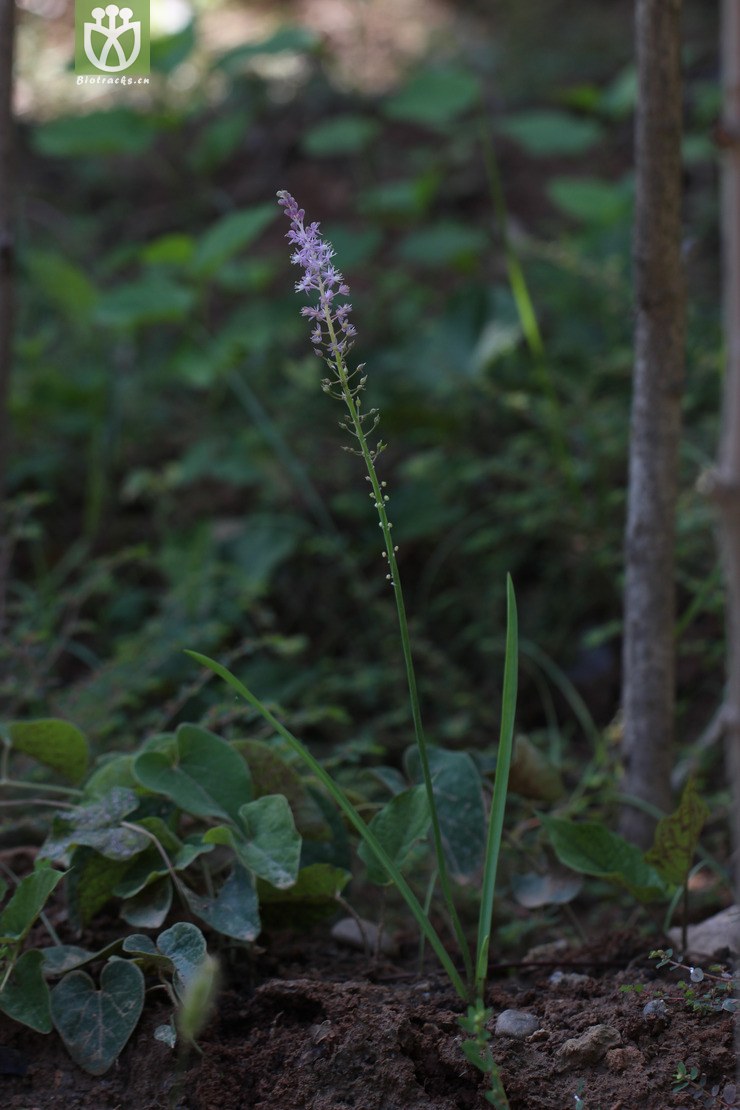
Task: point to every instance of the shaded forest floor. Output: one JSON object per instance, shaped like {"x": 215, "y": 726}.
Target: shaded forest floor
{"x": 311, "y": 1026}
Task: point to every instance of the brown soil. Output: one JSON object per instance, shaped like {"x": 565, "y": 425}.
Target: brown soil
{"x": 312, "y": 1027}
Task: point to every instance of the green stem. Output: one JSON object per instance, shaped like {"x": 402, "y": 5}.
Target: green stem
{"x": 13, "y": 784}
{"x": 390, "y": 551}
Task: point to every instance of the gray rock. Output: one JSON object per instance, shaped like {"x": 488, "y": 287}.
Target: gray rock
{"x": 656, "y": 1008}
{"x": 516, "y": 1023}
{"x": 591, "y": 1046}
{"x": 712, "y": 936}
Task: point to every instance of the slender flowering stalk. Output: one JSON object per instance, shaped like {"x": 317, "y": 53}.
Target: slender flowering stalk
{"x": 332, "y": 336}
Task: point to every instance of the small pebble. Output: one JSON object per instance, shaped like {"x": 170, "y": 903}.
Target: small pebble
{"x": 516, "y": 1023}
{"x": 358, "y": 934}
{"x": 567, "y": 979}
{"x": 656, "y": 1008}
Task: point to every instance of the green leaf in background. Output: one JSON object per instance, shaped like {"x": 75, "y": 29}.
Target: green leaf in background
{"x": 434, "y": 97}
{"x": 116, "y": 771}
{"x": 229, "y": 235}
{"x": 96, "y": 1024}
{"x": 25, "y": 996}
{"x": 272, "y": 775}
{"x": 217, "y": 142}
{"x": 677, "y": 835}
{"x": 462, "y": 817}
{"x": 312, "y": 897}
{"x": 619, "y": 98}
{"x": 444, "y": 244}
{"x": 547, "y": 133}
{"x": 150, "y": 300}
{"x": 592, "y": 849}
{"x": 185, "y": 946}
{"x": 148, "y": 908}
{"x": 234, "y": 911}
{"x": 271, "y": 845}
{"x": 340, "y": 136}
{"x": 589, "y": 200}
{"x": 90, "y": 883}
{"x": 199, "y": 771}
{"x": 117, "y": 131}
{"x": 97, "y": 825}
{"x": 399, "y": 200}
{"x": 65, "y": 285}
{"x": 175, "y": 249}
{"x": 53, "y": 742}
{"x": 531, "y": 775}
{"x": 401, "y": 822}
{"x": 354, "y": 245}
{"x": 168, "y": 51}
{"x": 27, "y": 901}
{"x": 288, "y": 39}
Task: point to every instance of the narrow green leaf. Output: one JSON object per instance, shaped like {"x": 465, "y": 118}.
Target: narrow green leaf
{"x": 55, "y": 743}
{"x": 500, "y": 788}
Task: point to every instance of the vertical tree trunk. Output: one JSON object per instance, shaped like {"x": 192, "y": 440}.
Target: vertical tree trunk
{"x": 725, "y": 481}
{"x": 649, "y": 614}
{"x": 7, "y": 247}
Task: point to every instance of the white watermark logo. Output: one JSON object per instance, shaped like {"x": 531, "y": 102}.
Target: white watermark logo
{"x": 106, "y": 36}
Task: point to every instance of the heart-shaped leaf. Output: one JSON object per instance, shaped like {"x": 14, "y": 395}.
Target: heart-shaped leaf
{"x": 185, "y": 945}
{"x": 199, "y": 771}
{"x": 96, "y": 1024}
{"x": 235, "y": 910}
{"x": 271, "y": 847}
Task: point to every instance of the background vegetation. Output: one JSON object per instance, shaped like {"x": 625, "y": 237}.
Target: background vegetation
{"x": 176, "y": 474}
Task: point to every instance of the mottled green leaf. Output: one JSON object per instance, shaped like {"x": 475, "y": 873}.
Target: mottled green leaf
{"x": 96, "y": 1024}
{"x": 677, "y": 836}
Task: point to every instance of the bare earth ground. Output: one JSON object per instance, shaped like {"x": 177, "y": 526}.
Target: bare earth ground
{"x": 310, "y": 1026}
